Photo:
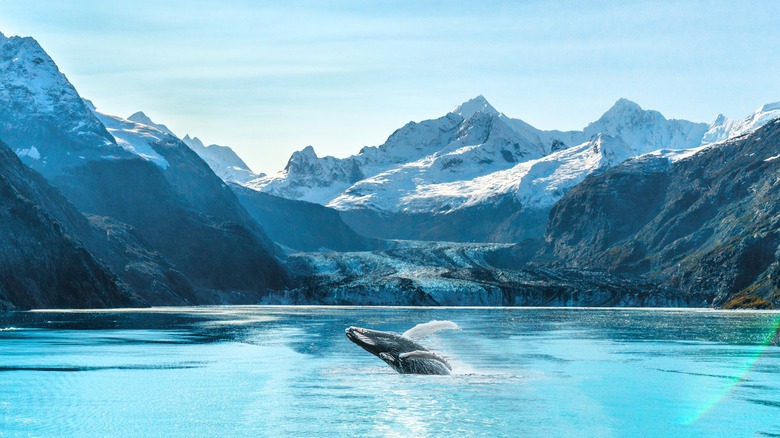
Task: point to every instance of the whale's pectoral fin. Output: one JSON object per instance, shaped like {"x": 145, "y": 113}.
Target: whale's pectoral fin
{"x": 421, "y": 354}
{"x": 429, "y": 328}
{"x": 387, "y": 357}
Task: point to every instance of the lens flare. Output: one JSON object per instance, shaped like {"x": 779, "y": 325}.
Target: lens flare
{"x": 770, "y": 339}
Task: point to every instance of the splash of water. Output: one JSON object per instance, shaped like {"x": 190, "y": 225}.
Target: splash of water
{"x": 424, "y": 330}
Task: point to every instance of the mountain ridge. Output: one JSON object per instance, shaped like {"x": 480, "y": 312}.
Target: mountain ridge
{"x": 436, "y": 167}
{"x": 708, "y": 222}
{"x": 159, "y": 197}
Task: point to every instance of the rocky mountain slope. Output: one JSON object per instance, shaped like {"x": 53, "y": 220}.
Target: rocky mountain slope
{"x": 42, "y": 263}
{"x": 300, "y": 225}
{"x": 137, "y": 176}
{"x": 707, "y": 222}
{"x": 221, "y": 159}
{"x": 296, "y": 225}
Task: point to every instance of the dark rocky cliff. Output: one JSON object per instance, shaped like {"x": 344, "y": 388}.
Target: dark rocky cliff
{"x": 300, "y": 225}
{"x": 42, "y": 262}
{"x": 708, "y": 223}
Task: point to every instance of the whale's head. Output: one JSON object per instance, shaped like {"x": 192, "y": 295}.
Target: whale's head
{"x": 378, "y": 342}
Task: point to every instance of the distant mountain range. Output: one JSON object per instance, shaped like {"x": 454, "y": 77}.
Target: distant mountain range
{"x": 634, "y": 209}
{"x": 476, "y": 175}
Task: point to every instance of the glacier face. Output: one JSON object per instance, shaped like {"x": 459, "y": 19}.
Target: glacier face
{"x": 457, "y": 274}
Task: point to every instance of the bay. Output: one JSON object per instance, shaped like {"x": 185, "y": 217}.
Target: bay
{"x": 290, "y": 371}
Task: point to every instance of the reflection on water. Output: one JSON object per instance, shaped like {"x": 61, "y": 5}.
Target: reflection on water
{"x": 273, "y": 371}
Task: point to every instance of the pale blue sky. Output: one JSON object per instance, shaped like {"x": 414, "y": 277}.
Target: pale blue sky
{"x": 269, "y": 78}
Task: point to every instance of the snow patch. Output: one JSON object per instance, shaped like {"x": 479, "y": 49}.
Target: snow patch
{"x": 32, "y": 152}
{"x": 135, "y": 137}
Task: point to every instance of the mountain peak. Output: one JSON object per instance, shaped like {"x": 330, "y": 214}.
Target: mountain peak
{"x": 138, "y": 114}
{"x": 194, "y": 143}
{"x": 476, "y": 105}
{"x": 33, "y": 84}
{"x": 309, "y": 151}
{"x": 625, "y": 105}
{"x": 769, "y": 107}
{"x": 140, "y": 117}
{"x": 622, "y": 112}
{"x": 2, "y": 37}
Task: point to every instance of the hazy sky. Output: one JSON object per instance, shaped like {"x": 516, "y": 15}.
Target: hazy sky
{"x": 269, "y": 78}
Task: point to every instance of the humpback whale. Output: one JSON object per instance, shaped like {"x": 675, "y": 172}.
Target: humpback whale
{"x": 400, "y": 351}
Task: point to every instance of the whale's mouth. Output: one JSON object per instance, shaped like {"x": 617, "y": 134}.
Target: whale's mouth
{"x": 359, "y": 336}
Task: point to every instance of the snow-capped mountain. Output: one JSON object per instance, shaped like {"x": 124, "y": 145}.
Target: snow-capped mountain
{"x": 725, "y": 129}
{"x": 135, "y": 135}
{"x": 136, "y": 138}
{"x": 140, "y": 117}
{"x": 223, "y": 161}
{"x": 473, "y": 154}
{"x": 708, "y": 222}
{"x": 53, "y": 128}
{"x": 645, "y": 131}
{"x": 447, "y": 149}
{"x": 477, "y": 157}
{"x": 161, "y": 202}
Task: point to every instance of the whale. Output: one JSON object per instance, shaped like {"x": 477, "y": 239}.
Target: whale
{"x": 401, "y": 351}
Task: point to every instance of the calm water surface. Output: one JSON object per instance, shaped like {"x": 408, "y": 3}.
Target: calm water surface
{"x": 282, "y": 371}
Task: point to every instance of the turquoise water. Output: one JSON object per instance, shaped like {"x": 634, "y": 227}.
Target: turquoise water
{"x": 282, "y": 371}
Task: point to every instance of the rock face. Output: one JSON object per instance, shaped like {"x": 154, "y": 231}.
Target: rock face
{"x": 42, "y": 263}
{"x": 709, "y": 222}
{"x": 156, "y": 192}
{"x": 301, "y": 226}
